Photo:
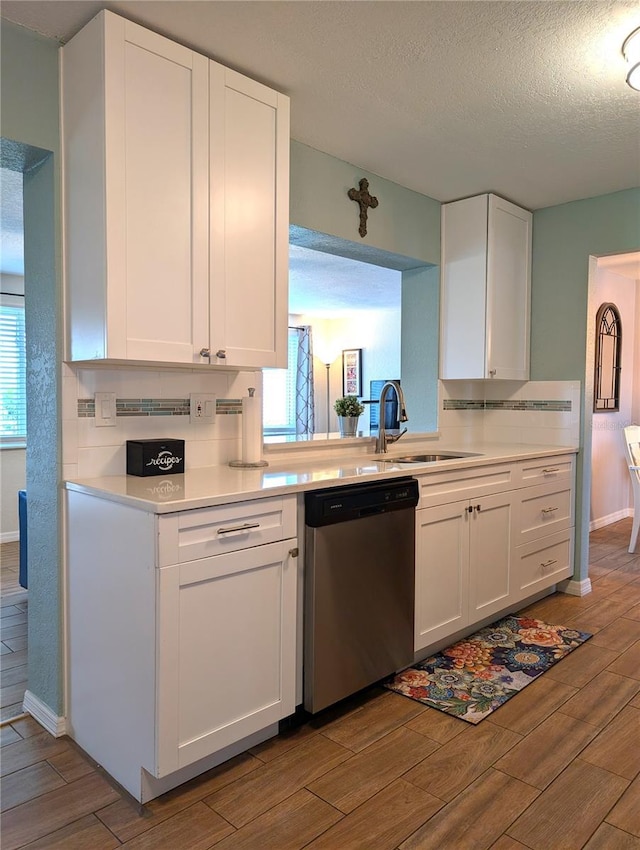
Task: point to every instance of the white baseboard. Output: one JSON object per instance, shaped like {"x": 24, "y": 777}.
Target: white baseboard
{"x": 9, "y": 536}
{"x": 56, "y": 726}
{"x": 607, "y": 520}
{"x": 575, "y": 588}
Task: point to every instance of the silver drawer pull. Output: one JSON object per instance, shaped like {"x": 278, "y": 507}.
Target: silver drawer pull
{"x": 244, "y": 527}
{"x": 549, "y": 510}
{"x": 550, "y": 470}
{"x": 548, "y": 564}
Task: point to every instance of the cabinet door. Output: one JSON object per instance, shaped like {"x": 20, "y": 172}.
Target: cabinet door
{"x": 442, "y": 572}
{"x": 508, "y": 290}
{"x": 135, "y": 124}
{"x": 249, "y": 202}
{"x": 491, "y": 534}
{"x": 464, "y": 270}
{"x": 227, "y": 646}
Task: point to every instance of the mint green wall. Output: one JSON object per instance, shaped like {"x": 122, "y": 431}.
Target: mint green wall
{"x": 563, "y": 239}
{"x": 29, "y": 87}
{"x": 404, "y": 222}
{"x": 420, "y": 346}
{"x": 29, "y": 118}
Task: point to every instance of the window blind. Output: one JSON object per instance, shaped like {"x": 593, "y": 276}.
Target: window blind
{"x": 279, "y": 393}
{"x": 13, "y": 395}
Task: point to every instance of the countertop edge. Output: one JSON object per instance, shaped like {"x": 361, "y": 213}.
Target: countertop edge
{"x": 281, "y": 478}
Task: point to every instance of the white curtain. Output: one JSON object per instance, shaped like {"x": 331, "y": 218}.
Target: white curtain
{"x": 304, "y": 381}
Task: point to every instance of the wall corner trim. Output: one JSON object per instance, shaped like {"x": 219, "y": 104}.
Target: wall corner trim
{"x": 575, "y": 588}
{"x": 56, "y": 726}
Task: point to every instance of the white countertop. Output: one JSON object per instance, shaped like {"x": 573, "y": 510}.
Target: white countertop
{"x": 216, "y": 485}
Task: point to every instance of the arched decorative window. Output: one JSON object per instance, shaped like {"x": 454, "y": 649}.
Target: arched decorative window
{"x": 606, "y": 396}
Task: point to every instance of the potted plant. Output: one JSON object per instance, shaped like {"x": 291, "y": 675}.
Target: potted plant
{"x": 348, "y": 409}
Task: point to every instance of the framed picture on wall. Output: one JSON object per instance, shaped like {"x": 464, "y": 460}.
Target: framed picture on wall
{"x": 352, "y": 371}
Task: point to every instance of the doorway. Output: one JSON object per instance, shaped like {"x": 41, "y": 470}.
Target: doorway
{"x": 13, "y": 596}
{"x": 614, "y": 280}
{"x": 44, "y": 694}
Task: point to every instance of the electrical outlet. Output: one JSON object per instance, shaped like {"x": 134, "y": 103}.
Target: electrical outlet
{"x": 202, "y": 408}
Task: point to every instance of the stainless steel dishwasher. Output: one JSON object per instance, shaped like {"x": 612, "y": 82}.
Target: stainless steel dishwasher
{"x": 359, "y": 587}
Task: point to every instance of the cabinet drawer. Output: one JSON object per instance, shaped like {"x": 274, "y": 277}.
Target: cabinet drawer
{"x": 544, "y": 510}
{"x": 544, "y": 562}
{"x": 440, "y": 488}
{"x": 189, "y": 535}
{"x": 541, "y": 470}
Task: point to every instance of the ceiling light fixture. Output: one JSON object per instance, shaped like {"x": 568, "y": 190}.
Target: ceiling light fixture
{"x": 631, "y": 52}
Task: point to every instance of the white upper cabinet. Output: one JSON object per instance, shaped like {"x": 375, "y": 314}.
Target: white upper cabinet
{"x": 249, "y": 247}
{"x": 157, "y": 141}
{"x": 486, "y": 285}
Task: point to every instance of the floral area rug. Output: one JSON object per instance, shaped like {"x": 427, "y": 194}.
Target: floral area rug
{"x": 478, "y": 674}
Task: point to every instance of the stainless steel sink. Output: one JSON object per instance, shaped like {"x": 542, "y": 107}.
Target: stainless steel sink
{"x": 425, "y": 458}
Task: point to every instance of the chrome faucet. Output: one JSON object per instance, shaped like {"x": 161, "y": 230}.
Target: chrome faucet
{"x": 383, "y": 437}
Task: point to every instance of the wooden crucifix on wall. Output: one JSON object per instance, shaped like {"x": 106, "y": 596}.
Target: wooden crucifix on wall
{"x": 362, "y": 197}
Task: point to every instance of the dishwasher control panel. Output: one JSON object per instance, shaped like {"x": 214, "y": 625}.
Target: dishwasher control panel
{"x": 339, "y": 504}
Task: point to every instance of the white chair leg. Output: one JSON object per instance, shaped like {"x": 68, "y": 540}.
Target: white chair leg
{"x": 634, "y": 530}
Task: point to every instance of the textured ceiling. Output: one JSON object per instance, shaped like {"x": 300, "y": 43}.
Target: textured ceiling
{"x": 452, "y": 98}
{"x": 327, "y": 285}
{"x": 11, "y": 231}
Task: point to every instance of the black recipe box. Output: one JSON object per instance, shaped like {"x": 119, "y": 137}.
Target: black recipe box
{"x": 155, "y": 457}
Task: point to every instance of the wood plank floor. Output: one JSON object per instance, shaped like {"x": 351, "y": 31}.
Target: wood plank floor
{"x": 13, "y": 633}
{"x": 556, "y": 768}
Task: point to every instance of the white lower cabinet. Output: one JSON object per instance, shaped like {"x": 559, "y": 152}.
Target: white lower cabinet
{"x": 226, "y": 667}
{"x": 173, "y": 665}
{"x": 462, "y": 565}
{"x": 479, "y": 556}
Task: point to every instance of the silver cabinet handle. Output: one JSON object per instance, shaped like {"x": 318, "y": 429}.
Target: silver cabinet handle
{"x": 549, "y": 510}
{"x": 294, "y": 552}
{"x": 205, "y": 352}
{"x": 547, "y": 564}
{"x": 550, "y": 470}
{"x": 221, "y": 354}
{"x": 244, "y": 527}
